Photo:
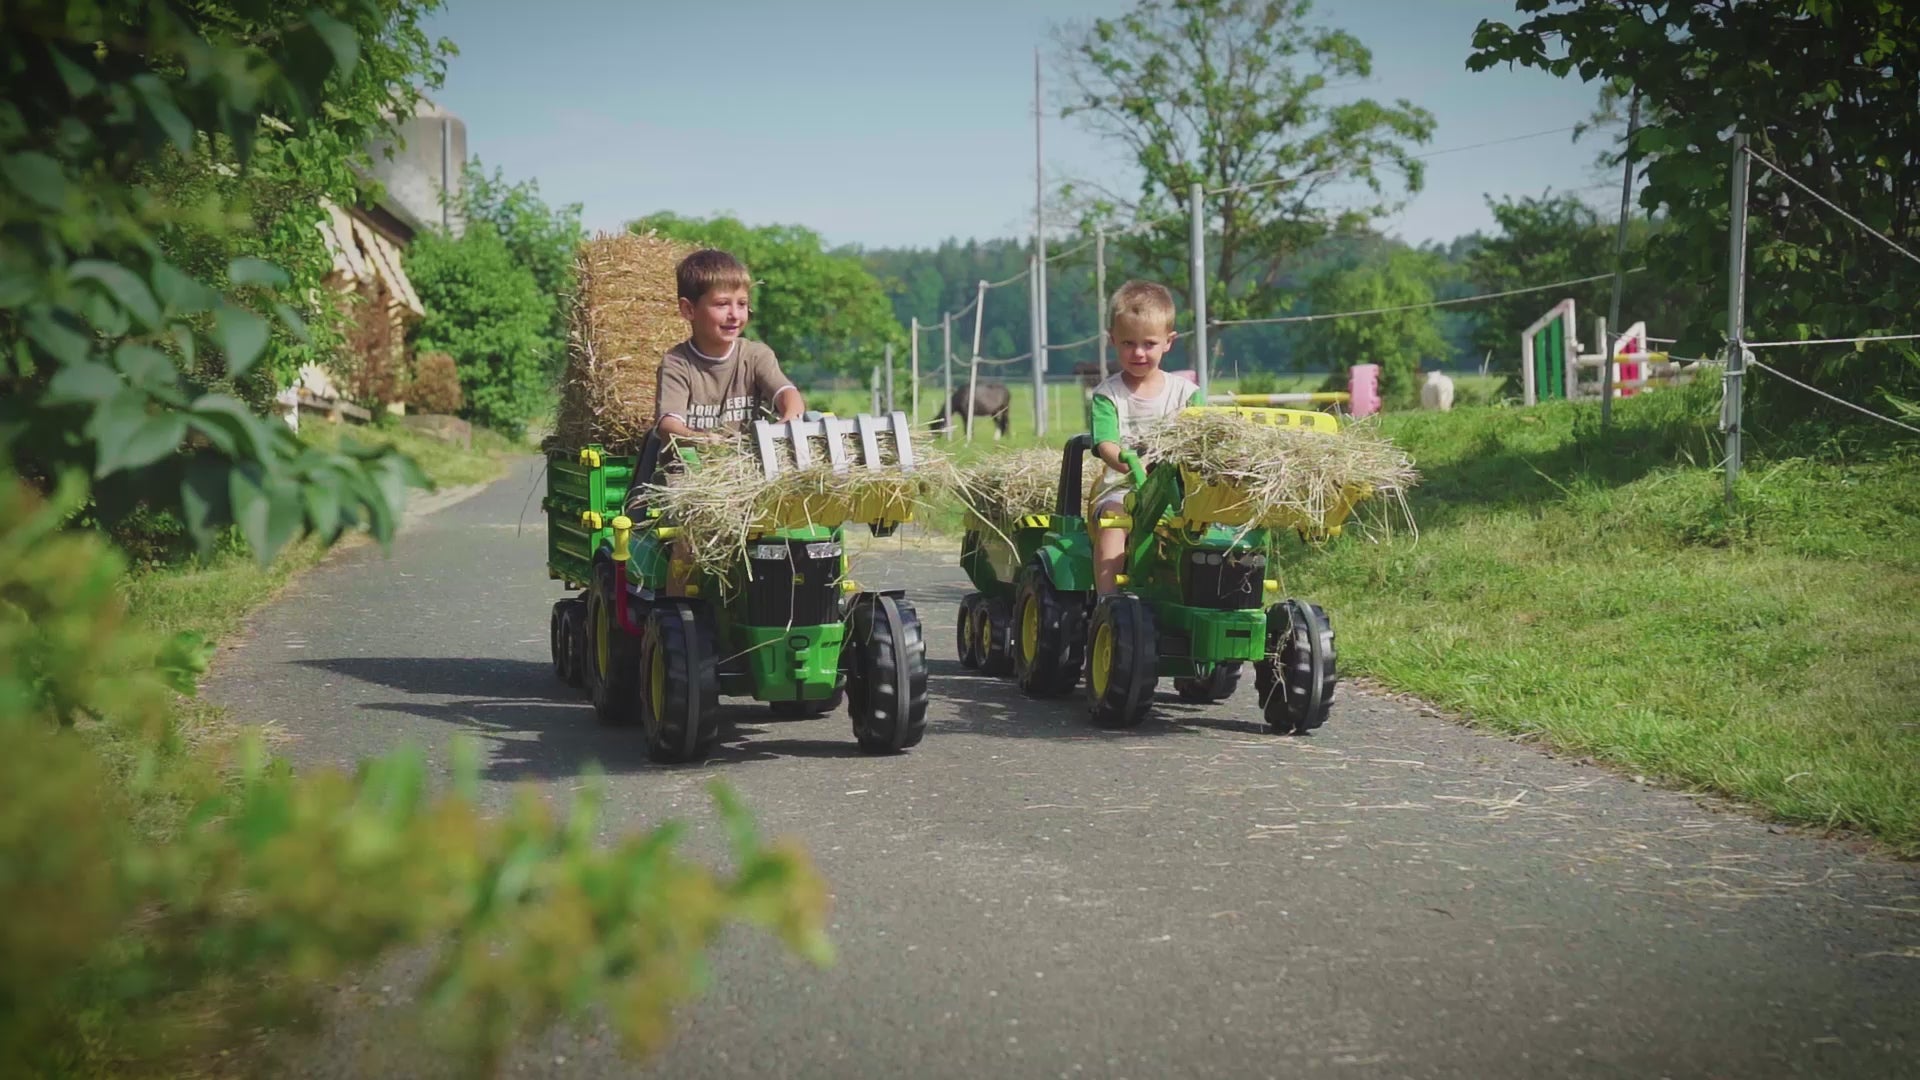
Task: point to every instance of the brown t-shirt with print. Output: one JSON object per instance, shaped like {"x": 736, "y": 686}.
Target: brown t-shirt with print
{"x": 728, "y": 393}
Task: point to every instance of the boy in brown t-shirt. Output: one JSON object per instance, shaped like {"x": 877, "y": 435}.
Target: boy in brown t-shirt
{"x": 716, "y": 383}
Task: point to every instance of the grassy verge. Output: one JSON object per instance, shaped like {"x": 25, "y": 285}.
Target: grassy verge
{"x": 1597, "y": 593}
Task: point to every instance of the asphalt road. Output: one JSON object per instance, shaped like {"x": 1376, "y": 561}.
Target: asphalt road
{"x": 1025, "y": 896}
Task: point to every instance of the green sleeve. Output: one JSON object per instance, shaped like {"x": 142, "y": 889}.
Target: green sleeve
{"x": 1106, "y": 420}
{"x": 1198, "y": 398}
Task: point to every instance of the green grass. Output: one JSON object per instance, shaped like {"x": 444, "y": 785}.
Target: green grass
{"x": 212, "y": 596}
{"x": 1598, "y": 594}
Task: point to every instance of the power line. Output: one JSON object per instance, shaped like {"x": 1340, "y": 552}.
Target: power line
{"x": 1415, "y": 307}
{"x": 1836, "y": 400}
{"x": 1074, "y": 250}
{"x": 1784, "y": 175}
{"x": 1831, "y": 341}
{"x": 1074, "y": 344}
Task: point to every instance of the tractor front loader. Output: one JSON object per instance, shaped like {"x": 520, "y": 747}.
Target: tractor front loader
{"x": 1195, "y": 600}
{"x": 783, "y": 624}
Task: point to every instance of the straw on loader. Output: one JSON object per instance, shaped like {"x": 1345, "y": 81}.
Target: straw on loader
{"x": 780, "y": 621}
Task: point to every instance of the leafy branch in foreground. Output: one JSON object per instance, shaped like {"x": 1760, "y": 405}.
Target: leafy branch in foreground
{"x": 271, "y": 885}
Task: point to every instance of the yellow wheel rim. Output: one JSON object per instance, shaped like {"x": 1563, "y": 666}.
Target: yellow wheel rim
{"x": 603, "y": 641}
{"x": 657, "y": 680}
{"x": 1102, "y": 660}
{"x": 982, "y": 634}
{"x": 1029, "y": 629}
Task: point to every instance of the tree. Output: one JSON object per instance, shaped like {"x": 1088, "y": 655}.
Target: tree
{"x": 486, "y": 310}
{"x": 1559, "y": 238}
{"x": 1832, "y": 103}
{"x": 110, "y": 341}
{"x": 1231, "y": 94}
{"x": 159, "y": 893}
{"x": 809, "y": 304}
{"x": 542, "y": 238}
{"x": 1398, "y": 341}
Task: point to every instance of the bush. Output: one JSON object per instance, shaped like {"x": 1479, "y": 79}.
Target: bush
{"x": 487, "y": 312}
{"x": 136, "y": 938}
{"x": 436, "y": 384}
{"x": 1258, "y": 382}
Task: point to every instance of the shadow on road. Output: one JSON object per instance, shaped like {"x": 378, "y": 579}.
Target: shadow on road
{"x": 536, "y": 728}
{"x": 997, "y": 707}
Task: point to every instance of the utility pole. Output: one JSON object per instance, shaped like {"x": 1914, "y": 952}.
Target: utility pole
{"x": 889, "y": 361}
{"x": 1732, "y": 388}
{"x": 1039, "y": 347}
{"x": 1100, "y": 291}
{"x": 1619, "y": 265}
{"x": 1197, "y": 248}
{"x": 1039, "y": 260}
{"x": 913, "y": 371}
{"x": 946, "y": 369}
{"x": 973, "y": 368}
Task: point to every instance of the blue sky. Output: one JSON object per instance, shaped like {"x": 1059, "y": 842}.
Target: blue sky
{"x": 906, "y": 122}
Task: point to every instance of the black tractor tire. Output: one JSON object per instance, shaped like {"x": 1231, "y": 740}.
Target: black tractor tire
{"x": 1049, "y": 640}
{"x": 996, "y": 637}
{"x": 1296, "y": 682}
{"x": 573, "y": 630}
{"x": 1121, "y": 661}
{"x": 1219, "y": 686}
{"x": 612, "y": 656}
{"x": 967, "y": 631}
{"x": 887, "y": 680}
{"x": 681, "y": 703}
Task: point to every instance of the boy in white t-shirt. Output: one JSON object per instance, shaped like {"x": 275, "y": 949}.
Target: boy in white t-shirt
{"x": 1127, "y": 405}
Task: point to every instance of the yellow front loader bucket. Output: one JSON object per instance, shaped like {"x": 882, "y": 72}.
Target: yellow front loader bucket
{"x": 1218, "y": 504}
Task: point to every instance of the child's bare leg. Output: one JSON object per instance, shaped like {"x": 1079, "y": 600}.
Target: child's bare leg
{"x": 1109, "y": 550}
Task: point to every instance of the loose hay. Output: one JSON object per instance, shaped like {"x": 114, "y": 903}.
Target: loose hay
{"x": 1004, "y": 487}
{"x": 625, "y": 317}
{"x": 1284, "y": 472}
{"x": 727, "y": 499}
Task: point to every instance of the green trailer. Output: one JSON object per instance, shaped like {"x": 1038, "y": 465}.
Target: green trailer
{"x": 784, "y": 625}
{"x": 1195, "y": 601}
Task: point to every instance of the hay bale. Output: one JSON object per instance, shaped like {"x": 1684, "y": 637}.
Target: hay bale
{"x": 625, "y": 317}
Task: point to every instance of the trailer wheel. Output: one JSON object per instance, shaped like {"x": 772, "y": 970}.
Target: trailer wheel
{"x": 1121, "y": 661}
{"x": 1048, "y": 640}
{"x": 1297, "y": 681}
{"x": 1217, "y": 686}
{"x": 611, "y": 655}
{"x": 557, "y": 638}
{"x": 681, "y": 705}
{"x": 887, "y": 686}
{"x": 967, "y": 634}
{"x": 573, "y": 629}
{"x": 995, "y": 644}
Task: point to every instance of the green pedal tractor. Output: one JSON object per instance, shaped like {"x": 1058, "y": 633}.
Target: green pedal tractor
{"x": 783, "y": 624}
{"x": 1194, "y": 599}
